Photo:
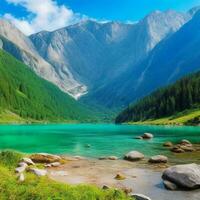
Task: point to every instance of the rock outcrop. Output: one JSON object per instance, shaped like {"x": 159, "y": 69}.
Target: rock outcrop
{"x": 183, "y": 176}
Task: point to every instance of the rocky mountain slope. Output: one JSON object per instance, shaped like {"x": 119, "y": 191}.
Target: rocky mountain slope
{"x": 97, "y": 53}
{"x": 171, "y": 59}
{"x": 21, "y": 47}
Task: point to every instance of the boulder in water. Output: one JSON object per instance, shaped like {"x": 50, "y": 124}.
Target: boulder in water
{"x": 134, "y": 156}
{"x": 147, "y": 136}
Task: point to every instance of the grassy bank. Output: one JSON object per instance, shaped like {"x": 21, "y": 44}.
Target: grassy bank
{"x": 35, "y": 188}
{"x": 188, "y": 117}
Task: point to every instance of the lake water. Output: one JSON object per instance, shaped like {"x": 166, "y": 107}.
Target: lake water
{"x": 105, "y": 139}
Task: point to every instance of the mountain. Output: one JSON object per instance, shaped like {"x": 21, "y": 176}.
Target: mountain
{"x": 96, "y": 53}
{"x": 25, "y": 95}
{"x": 20, "y": 46}
{"x": 183, "y": 97}
{"x": 174, "y": 57}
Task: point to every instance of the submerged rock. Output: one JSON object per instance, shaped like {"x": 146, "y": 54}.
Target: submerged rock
{"x": 45, "y": 158}
{"x": 134, "y": 156}
{"x": 158, "y": 159}
{"x": 168, "y": 144}
{"x": 38, "y": 172}
{"x": 138, "y": 137}
{"x": 184, "y": 176}
{"x": 140, "y": 197}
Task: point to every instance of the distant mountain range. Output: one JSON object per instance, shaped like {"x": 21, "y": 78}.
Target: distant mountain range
{"x": 111, "y": 64}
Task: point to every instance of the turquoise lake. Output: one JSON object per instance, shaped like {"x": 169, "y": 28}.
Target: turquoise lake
{"x": 105, "y": 139}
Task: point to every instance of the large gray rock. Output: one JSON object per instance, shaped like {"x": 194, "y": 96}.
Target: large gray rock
{"x": 134, "y": 156}
{"x": 158, "y": 159}
{"x": 184, "y": 176}
{"x": 140, "y": 197}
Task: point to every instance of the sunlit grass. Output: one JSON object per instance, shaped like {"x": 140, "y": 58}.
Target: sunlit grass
{"x": 34, "y": 188}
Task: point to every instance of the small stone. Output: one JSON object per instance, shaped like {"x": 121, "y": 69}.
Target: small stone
{"x": 147, "y": 136}
{"x": 38, "y": 172}
{"x": 21, "y": 177}
{"x": 158, "y": 159}
{"x": 169, "y": 185}
{"x": 105, "y": 187}
{"x": 168, "y": 144}
{"x": 20, "y": 169}
{"x": 120, "y": 177}
{"x": 22, "y": 164}
{"x": 47, "y": 165}
{"x": 139, "y": 197}
{"x": 55, "y": 164}
{"x": 112, "y": 158}
{"x": 28, "y": 161}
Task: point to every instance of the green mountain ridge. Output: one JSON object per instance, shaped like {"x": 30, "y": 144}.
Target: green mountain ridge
{"x": 178, "y": 103}
{"x": 24, "y": 95}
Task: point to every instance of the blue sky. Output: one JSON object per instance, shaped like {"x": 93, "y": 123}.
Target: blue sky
{"x": 33, "y": 15}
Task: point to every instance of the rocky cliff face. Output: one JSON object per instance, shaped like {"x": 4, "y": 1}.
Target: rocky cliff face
{"x": 21, "y": 47}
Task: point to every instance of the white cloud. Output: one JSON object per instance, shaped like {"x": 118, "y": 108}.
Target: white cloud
{"x": 43, "y": 15}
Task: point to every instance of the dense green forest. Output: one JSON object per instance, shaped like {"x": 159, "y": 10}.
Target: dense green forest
{"x": 23, "y": 93}
{"x": 168, "y": 101}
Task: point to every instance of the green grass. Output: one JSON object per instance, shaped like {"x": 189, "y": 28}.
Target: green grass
{"x": 34, "y": 188}
{"x": 182, "y": 118}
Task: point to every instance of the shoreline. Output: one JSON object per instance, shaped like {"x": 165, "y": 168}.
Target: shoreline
{"x": 138, "y": 178}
